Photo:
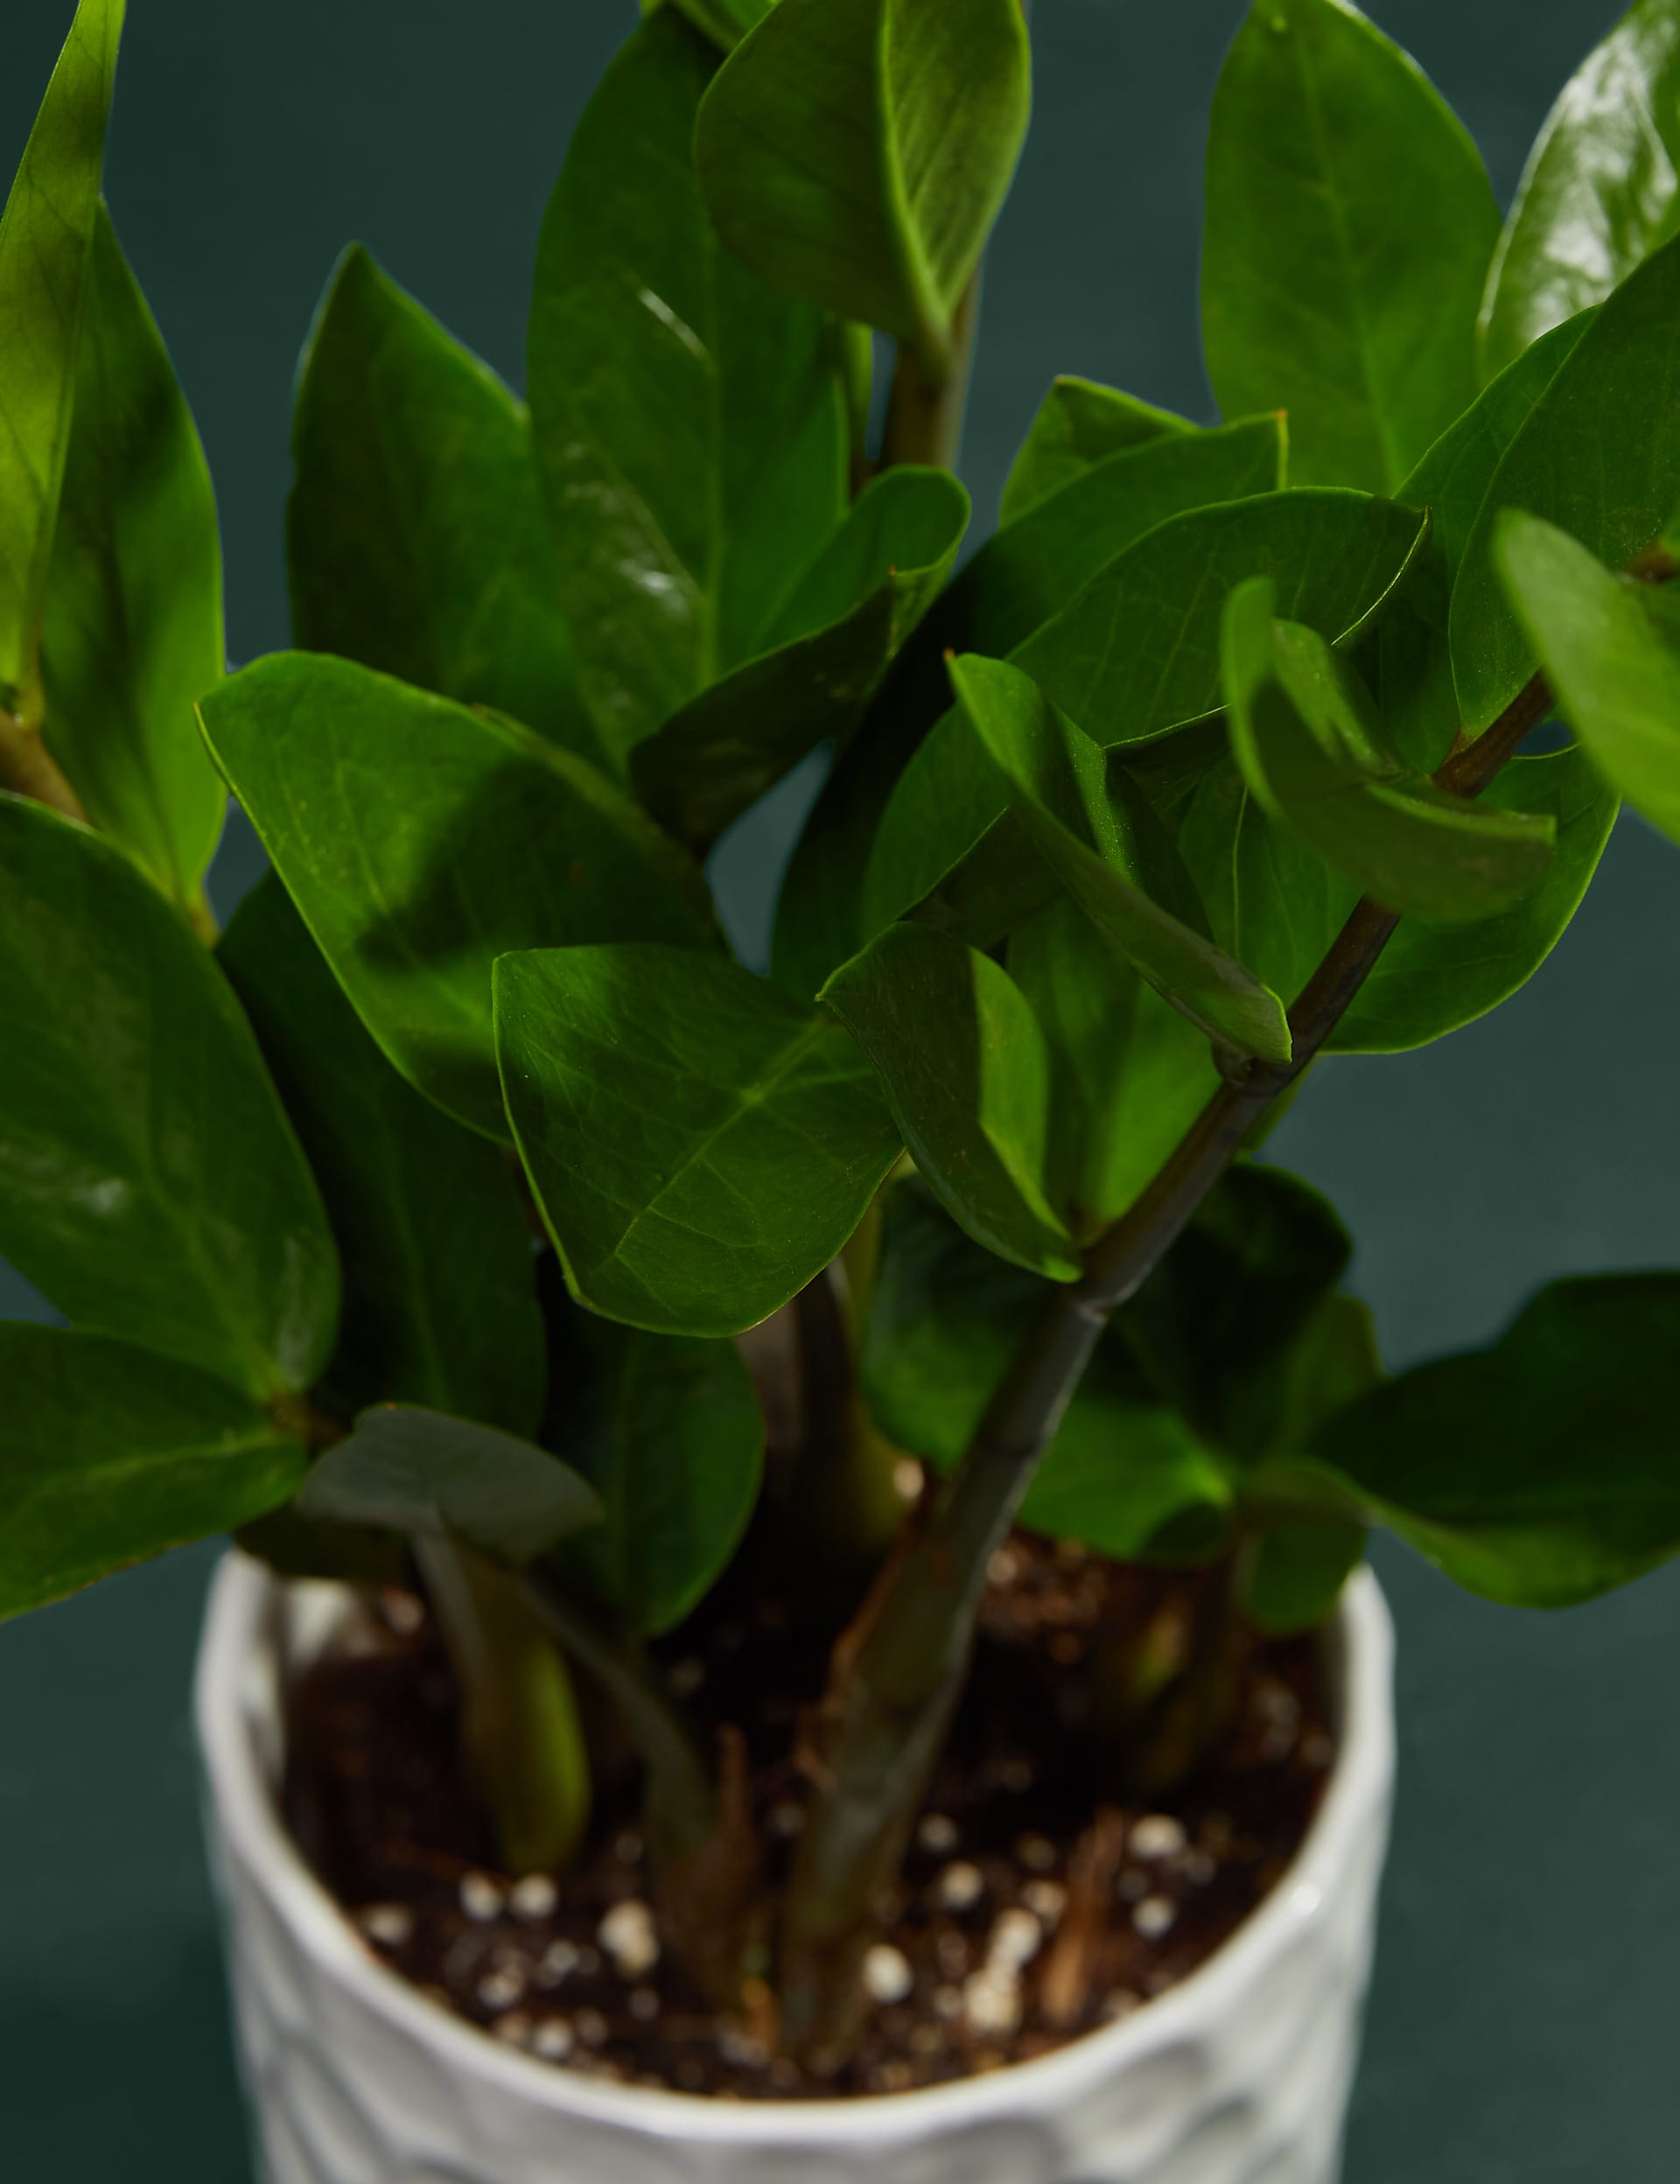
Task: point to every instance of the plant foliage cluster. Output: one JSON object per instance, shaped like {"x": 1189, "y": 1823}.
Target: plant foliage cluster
{"x": 411, "y": 1222}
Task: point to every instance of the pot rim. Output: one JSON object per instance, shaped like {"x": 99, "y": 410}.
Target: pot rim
{"x": 233, "y": 1687}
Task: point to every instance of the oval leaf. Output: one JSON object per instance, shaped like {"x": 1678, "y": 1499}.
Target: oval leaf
{"x": 699, "y": 1145}
{"x": 151, "y": 1185}
{"x": 1078, "y": 425}
{"x": 858, "y": 152}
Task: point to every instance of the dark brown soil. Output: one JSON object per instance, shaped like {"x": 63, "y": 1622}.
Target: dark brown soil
{"x": 1039, "y": 1902}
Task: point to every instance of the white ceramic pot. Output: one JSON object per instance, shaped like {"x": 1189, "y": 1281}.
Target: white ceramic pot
{"x": 1240, "y": 2075}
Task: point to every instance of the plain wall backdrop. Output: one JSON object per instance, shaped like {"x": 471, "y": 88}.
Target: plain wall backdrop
{"x": 1523, "y": 2027}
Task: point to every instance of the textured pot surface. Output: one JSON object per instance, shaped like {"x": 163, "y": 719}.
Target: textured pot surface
{"x": 1238, "y": 2076}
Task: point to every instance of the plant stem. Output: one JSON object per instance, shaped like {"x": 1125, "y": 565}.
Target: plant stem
{"x": 898, "y": 1672}
{"x": 28, "y": 768}
{"x": 523, "y": 1738}
{"x": 927, "y": 405}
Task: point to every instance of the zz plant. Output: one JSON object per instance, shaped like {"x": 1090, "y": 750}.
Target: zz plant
{"x": 454, "y": 1212}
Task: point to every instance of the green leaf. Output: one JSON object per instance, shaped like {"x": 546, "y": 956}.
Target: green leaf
{"x": 1129, "y": 1073}
{"x": 132, "y": 636}
{"x": 1413, "y": 665}
{"x": 109, "y": 1456}
{"x": 945, "y": 1320}
{"x": 1599, "y": 456}
{"x": 835, "y": 641}
{"x": 1349, "y": 225}
{"x": 151, "y": 1185}
{"x": 1539, "y": 1471}
{"x": 699, "y": 1145}
{"x": 1136, "y": 655}
{"x": 45, "y": 243}
{"x": 1297, "y": 1572}
{"x": 858, "y": 152}
{"x": 439, "y": 1303}
{"x": 1600, "y": 192}
{"x": 1313, "y": 752}
{"x": 1611, "y": 650}
{"x": 417, "y": 543}
{"x": 669, "y": 1434}
{"x": 1096, "y": 832}
{"x": 692, "y": 425}
{"x": 1002, "y": 597}
{"x": 726, "y": 22}
{"x": 1079, "y": 424}
{"x": 968, "y": 1074}
{"x": 421, "y": 840}
{"x": 410, "y": 1470}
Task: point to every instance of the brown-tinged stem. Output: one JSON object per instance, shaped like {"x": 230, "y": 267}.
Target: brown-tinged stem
{"x": 28, "y": 768}
{"x": 898, "y": 1672}
{"x": 928, "y": 399}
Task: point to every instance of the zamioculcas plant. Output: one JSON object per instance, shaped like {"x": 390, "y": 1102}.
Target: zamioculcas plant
{"x": 468, "y": 1218}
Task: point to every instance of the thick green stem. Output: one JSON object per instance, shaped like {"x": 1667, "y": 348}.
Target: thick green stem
{"x": 28, "y": 768}
{"x": 899, "y": 1673}
{"x": 928, "y": 402}
{"x": 519, "y": 1726}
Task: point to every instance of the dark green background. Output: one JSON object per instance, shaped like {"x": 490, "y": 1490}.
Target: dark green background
{"x": 1524, "y": 2024}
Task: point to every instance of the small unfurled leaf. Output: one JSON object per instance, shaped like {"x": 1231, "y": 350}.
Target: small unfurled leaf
{"x": 45, "y": 244}
{"x": 150, "y": 1186}
{"x": 1349, "y": 225}
{"x": 945, "y": 1320}
{"x": 967, "y": 1073}
{"x": 858, "y": 152}
{"x": 1135, "y": 654}
{"x": 700, "y": 1147}
{"x": 1599, "y": 456}
{"x": 110, "y": 1455}
{"x": 439, "y": 1303}
{"x": 1539, "y": 1471}
{"x": 1129, "y": 1073}
{"x": 409, "y": 1470}
{"x": 832, "y": 644}
{"x": 1599, "y": 190}
{"x": 1412, "y": 659}
{"x": 132, "y": 637}
{"x": 691, "y": 424}
{"x": 1313, "y": 752}
{"x": 1611, "y": 650}
{"x": 416, "y": 539}
{"x": 669, "y": 1434}
{"x": 1079, "y": 425}
{"x": 1096, "y": 832}
{"x": 421, "y": 840}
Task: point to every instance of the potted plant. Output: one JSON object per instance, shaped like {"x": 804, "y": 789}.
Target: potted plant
{"x": 801, "y": 1529}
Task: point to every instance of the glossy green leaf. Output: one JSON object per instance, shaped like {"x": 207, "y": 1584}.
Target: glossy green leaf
{"x": 132, "y": 636}
{"x": 410, "y": 1470}
{"x": 1078, "y": 425}
{"x": 945, "y": 1320}
{"x": 699, "y": 1145}
{"x": 417, "y": 543}
{"x": 439, "y": 1303}
{"x": 1096, "y": 832}
{"x": 669, "y": 1434}
{"x": 691, "y": 424}
{"x": 421, "y": 840}
{"x": 1539, "y": 1471}
{"x": 726, "y": 22}
{"x": 858, "y": 152}
{"x": 151, "y": 1185}
{"x": 1410, "y": 659}
{"x": 1599, "y": 456}
{"x": 1314, "y": 753}
{"x": 110, "y": 1455}
{"x": 1600, "y": 192}
{"x": 45, "y": 242}
{"x": 1611, "y": 650}
{"x": 1130, "y": 1074}
{"x": 967, "y": 1073}
{"x": 1349, "y": 225}
{"x": 1135, "y": 654}
{"x": 830, "y": 648}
